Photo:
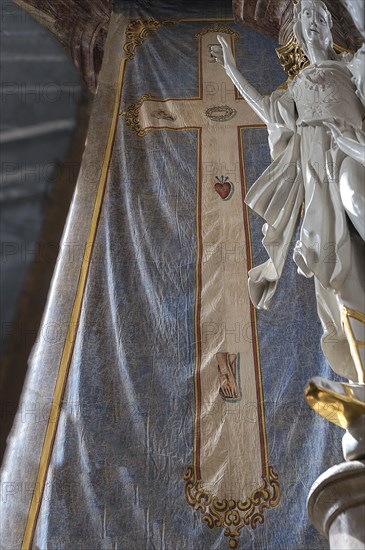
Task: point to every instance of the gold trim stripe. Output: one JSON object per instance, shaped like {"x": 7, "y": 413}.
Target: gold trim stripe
{"x": 71, "y": 333}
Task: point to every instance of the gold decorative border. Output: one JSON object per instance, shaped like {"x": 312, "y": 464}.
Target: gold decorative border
{"x": 216, "y": 27}
{"x": 137, "y": 32}
{"x": 229, "y": 514}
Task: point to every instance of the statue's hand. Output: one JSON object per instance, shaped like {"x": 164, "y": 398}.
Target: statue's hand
{"x": 223, "y": 53}
{"x": 351, "y": 147}
{"x": 334, "y": 130}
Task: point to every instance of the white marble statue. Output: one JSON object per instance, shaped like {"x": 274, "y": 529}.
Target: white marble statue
{"x": 315, "y": 136}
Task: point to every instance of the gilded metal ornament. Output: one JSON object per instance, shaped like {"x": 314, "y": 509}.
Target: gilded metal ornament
{"x": 338, "y": 402}
{"x": 292, "y": 57}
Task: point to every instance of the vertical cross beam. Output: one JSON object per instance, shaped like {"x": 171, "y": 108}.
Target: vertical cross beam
{"x": 230, "y": 442}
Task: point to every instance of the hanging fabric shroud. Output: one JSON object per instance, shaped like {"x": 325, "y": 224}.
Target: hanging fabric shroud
{"x": 175, "y": 406}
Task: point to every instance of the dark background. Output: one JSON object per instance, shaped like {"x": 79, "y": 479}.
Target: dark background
{"x": 44, "y": 117}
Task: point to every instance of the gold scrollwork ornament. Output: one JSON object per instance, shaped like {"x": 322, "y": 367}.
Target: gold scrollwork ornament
{"x": 217, "y": 28}
{"x": 292, "y": 57}
{"x": 137, "y": 32}
{"x": 229, "y": 514}
{"x": 131, "y": 115}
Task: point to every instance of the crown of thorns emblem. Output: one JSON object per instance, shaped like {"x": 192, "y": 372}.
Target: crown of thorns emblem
{"x": 222, "y": 113}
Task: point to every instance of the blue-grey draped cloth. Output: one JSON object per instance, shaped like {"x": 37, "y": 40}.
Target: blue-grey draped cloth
{"x": 124, "y": 437}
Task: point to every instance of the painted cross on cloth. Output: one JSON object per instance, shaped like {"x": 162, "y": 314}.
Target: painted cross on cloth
{"x": 230, "y": 481}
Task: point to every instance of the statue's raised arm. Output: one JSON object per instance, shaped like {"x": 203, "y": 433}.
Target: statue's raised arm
{"x": 315, "y": 128}
{"x": 223, "y": 55}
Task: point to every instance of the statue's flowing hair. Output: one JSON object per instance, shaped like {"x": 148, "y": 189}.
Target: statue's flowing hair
{"x": 297, "y": 27}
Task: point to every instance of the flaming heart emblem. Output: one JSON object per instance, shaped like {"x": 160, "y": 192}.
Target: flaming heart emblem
{"x": 224, "y": 187}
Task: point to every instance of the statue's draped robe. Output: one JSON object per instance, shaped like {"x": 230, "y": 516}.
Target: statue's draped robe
{"x": 108, "y": 411}
{"x": 303, "y": 183}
